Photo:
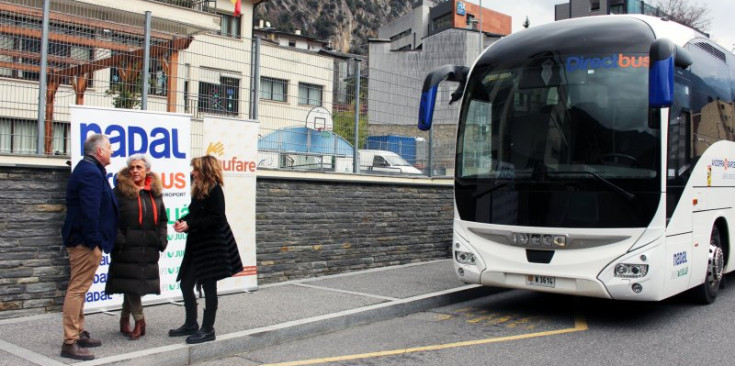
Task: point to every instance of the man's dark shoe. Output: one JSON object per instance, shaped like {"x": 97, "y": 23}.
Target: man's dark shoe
{"x": 201, "y": 336}
{"x": 74, "y": 351}
{"x": 186, "y": 329}
{"x": 86, "y": 341}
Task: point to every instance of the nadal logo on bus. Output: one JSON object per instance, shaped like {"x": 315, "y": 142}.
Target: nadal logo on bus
{"x": 610, "y": 62}
{"x": 128, "y": 140}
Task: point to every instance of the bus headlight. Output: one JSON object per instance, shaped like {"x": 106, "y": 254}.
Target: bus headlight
{"x": 465, "y": 258}
{"x": 625, "y": 270}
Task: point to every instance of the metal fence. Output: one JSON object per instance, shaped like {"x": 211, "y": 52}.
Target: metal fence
{"x": 314, "y": 105}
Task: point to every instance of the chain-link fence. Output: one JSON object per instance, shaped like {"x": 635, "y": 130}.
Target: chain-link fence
{"x": 314, "y": 104}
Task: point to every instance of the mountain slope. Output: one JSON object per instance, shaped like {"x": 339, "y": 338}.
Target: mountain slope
{"x": 347, "y": 24}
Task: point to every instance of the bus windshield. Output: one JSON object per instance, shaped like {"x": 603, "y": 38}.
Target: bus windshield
{"x": 567, "y": 127}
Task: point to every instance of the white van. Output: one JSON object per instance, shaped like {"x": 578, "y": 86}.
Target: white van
{"x": 385, "y": 162}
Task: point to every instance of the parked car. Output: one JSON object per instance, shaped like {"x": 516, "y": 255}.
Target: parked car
{"x": 383, "y": 161}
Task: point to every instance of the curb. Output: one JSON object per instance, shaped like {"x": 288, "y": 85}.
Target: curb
{"x": 245, "y": 341}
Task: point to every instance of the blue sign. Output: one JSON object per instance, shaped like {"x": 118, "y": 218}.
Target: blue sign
{"x": 460, "y": 8}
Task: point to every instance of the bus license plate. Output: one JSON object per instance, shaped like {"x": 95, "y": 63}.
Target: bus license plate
{"x": 543, "y": 281}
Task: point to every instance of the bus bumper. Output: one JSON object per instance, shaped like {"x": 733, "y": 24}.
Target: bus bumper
{"x": 602, "y": 285}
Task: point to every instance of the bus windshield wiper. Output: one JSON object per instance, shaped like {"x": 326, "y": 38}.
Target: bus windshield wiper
{"x": 629, "y": 196}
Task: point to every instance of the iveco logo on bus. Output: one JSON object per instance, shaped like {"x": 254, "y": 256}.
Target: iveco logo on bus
{"x": 610, "y": 62}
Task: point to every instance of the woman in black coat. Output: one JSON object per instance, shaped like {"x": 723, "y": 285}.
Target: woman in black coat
{"x": 211, "y": 252}
{"x": 141, "y": 236}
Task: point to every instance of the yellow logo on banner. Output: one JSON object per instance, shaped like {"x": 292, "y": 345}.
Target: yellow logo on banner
{"x": 216, "y": 148}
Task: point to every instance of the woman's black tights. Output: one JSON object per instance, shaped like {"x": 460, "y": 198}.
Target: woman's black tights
{"x": 190, "y": 301}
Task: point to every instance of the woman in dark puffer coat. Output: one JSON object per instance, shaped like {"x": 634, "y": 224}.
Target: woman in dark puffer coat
{"x": 211, "y": 251}
{"x": 141, "y": 237}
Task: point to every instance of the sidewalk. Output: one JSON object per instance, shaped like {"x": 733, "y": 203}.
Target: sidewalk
{"x": 274, "y": 314}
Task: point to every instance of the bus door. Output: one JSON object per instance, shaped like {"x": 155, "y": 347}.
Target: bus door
{"x": 679, "y": 210}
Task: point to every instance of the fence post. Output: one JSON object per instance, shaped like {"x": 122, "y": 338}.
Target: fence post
{"x": 356, "y": 147}
{"x": 42, "y": 81}
{"x": 146, "y": 62}
{"x": 255, "y": 79}
{"x": 431, "y": 151}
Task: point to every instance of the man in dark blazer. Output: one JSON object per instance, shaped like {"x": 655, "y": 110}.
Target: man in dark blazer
{"x": 90, "y": 228}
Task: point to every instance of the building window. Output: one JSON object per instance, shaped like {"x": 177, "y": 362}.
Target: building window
{"x": 310, "y": 94}
{"x": 61, "y": 55}
{"x": 221, "y": 97}
{"x": 18, "y": 136}
{"x": 471, "y": 22}
{"x": 441, "y": 23}
{"x": 230, "y": 26}
{"x": 158, "y": 78}
{"x": 594, "y": 5}
{"x": 403, "y": 34}
{"x": 273, "y": 89}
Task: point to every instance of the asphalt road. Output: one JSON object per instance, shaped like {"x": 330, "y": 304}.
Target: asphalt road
{"x": 527, "y": 328}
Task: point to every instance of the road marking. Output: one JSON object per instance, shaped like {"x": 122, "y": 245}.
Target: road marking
{"x": 580, "y": 324}
{"x": 347, "y": 291}
{"x": 28, "y": 355}
{"x": 483, "y": 316}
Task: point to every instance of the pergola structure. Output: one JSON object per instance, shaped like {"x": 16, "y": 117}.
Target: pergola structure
{"x": 164, "y": 46}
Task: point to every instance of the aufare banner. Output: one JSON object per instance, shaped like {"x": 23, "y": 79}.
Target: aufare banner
{"x": 234, "y": 142}
{"x": 164, "y": 137}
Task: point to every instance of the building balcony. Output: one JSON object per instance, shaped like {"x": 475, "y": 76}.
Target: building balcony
{"x": 206, "y": 6}
{"x": 173, "y": 16}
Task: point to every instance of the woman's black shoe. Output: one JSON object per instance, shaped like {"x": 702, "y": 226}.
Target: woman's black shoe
{"x": 201, "y": 336}
{"x": 186, "y": 329}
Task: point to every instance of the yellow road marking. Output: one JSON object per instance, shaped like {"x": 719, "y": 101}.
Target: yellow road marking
{"x": 443, "y": 317}
{"x": 580, "y": 324}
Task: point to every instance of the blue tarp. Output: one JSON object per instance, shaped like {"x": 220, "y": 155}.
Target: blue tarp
{"x": 405, "y": 146}
{"x": 304, "y": 140}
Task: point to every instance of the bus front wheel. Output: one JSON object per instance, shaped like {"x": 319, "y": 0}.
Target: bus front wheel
{"x": 706, "y": 293}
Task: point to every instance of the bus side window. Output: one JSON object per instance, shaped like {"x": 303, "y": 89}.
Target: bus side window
{"x": 680, "y": 156}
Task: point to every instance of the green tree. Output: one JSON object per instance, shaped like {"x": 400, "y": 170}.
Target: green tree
{"x": 526, "y": 23}
{"x": 344, "y": 126}
{"x": 126, "y": 91}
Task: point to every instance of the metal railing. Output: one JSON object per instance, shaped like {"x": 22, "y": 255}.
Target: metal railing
{"x": 207, "y": 6}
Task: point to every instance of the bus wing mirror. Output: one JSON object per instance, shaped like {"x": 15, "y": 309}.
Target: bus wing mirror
{"x": 431, "y": 85}
{"x": 664, "y": 56}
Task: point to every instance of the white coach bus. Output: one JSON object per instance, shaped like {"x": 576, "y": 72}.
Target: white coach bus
{"x": 595, "y": 157}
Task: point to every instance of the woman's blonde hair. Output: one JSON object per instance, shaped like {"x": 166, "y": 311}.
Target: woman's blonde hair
{"x": 210, "y": 174}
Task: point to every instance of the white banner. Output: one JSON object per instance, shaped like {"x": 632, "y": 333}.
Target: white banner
{"x": 166, "y": 138}
{"x": 234, "y": 142}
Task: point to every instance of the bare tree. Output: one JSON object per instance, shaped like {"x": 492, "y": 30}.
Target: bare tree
{"x": 694, "y": 15}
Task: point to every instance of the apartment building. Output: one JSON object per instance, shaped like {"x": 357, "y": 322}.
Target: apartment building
{"x": 442, "y": 32}
{"x": 199, "y": 63}
{"x": 583, "y": 8}
{"x": 429, "y": 17}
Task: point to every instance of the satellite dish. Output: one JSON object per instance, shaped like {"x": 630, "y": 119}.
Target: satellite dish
{"x": 319, "y": 119}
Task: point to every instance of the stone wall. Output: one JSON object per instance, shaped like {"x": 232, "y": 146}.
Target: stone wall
{"x": 307, "y": 229}
{"x": 304, "y": 228}
{"x": 34, "y": 269}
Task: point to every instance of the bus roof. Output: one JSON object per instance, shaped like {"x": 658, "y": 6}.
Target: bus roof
{"x": 624, "y": 33}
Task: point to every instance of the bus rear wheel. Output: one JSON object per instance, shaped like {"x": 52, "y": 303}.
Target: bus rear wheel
{"x": 706, "y": 293}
